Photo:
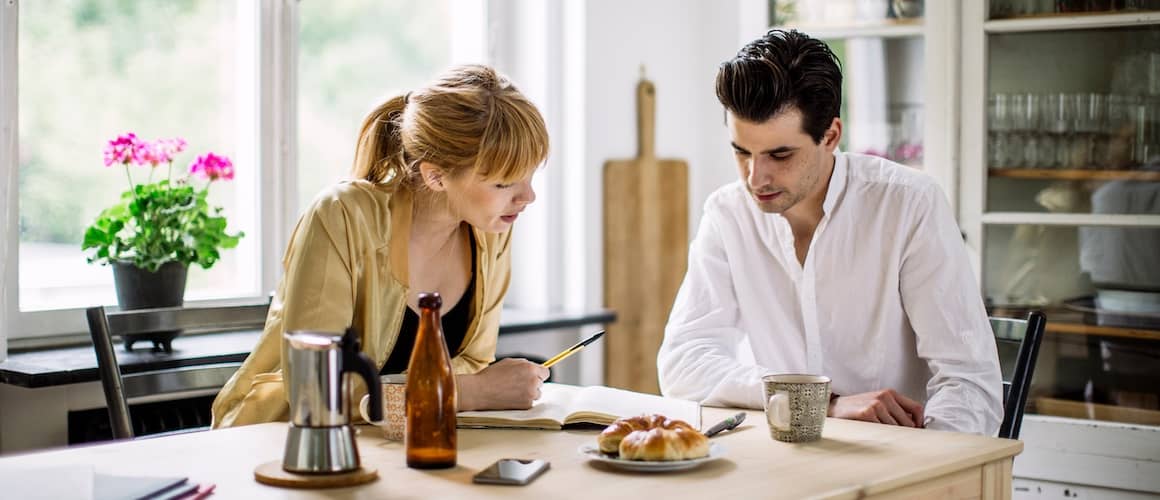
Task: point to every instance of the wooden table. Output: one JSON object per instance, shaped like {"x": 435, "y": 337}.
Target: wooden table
{"x": 853, "y": 460}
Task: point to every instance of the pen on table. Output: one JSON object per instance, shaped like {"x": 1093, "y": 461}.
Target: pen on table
{"x": 203, "y": 491}
{"x": 572, "y": 350}
{"x": 725, "y": 425}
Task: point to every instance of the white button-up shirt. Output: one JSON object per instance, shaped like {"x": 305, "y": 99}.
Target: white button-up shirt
{"x": 885, "y": 299}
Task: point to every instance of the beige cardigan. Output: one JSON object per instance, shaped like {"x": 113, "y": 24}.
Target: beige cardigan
{"x": 347, "y": 265}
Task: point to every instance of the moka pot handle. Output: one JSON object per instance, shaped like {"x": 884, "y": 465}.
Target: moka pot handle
{"x": 354, "y": 360}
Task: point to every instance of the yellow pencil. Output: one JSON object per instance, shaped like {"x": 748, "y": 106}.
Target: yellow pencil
{"x": 572, "y": 350}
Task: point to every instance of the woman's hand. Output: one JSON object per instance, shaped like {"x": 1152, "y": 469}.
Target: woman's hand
{"x": 510, "y": 384}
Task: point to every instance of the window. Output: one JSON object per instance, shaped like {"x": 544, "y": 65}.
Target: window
{"x": 352, "y": 55}
{"x": 157, "y": 79}
{"x": 229, "y": 76}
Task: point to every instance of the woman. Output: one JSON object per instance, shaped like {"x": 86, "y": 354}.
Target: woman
{"x": 440, "y": 176}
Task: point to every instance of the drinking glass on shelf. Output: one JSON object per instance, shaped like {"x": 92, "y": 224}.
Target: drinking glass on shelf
{"x": 1032, "y": 7}
{"x": 1020, "y": 127}
{"x": 906, "y": 136}
{"x": 1048, "y": 142}
{"x": 1091, "y": 112}
{"x": 1147, "y": 142}
{"x": 871, "y": 10}
{"x": 1032, "y": 113}
{"x": 1132, "y": 4}
{"x": 1000, "y": 9}
{"x": 998, "y": 130}
{"x": 1120, "y": 132}
{"x": 907, "y": 9}
{"x": 1059, "y": 110}
{"x": 1073, "y": 145}
{"x": 1097, "y": 5}
{"x": 1151, "y": 61}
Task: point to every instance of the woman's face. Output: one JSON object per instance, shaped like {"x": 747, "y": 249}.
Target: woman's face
{"x": 488, "y": 205}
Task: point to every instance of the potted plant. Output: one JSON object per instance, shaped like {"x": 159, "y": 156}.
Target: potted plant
{"x": 158, "y": 228}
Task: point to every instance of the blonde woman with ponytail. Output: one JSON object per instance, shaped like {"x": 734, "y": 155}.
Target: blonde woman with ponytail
{"x": 440, "y": 174}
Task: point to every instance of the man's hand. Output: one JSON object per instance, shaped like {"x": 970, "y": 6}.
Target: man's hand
{"x": 510, "y": 384}
{"x": 885, "y": 407}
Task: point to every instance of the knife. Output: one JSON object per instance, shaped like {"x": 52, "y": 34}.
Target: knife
{"x": 726, "y": 424}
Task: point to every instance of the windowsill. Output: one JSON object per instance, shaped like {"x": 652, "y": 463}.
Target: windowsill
{"x": 70, "y": 365}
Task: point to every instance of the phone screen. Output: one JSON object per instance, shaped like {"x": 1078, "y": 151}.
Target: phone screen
{"x": 511, "y": 471}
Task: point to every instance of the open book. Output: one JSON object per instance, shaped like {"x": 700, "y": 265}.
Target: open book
{"x": 561, "y": 404}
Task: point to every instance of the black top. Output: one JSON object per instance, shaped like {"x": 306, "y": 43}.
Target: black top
{"x": 455, "y": 324}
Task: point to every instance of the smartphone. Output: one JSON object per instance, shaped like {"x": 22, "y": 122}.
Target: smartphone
{"x": 514, "y": 471}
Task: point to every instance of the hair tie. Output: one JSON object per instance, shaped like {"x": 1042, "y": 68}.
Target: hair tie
{"x": 406, "y": 98}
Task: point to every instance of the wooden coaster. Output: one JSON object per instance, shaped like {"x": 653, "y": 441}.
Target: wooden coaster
{"x": 273, "y": 474}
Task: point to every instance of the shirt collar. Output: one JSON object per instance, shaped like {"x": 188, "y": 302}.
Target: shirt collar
{"x": 837, "y": 183}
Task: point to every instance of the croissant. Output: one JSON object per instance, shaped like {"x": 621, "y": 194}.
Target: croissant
{"x": 653, "y": 438}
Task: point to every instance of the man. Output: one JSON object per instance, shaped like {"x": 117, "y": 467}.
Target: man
{"x": 829, "y": 263}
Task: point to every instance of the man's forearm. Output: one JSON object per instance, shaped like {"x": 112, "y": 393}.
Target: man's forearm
{"x": 711, "y": 379}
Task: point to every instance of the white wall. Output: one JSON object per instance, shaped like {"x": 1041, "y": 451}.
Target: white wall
{"x": 680, "y": 45}
{"x": 582, "y": 73}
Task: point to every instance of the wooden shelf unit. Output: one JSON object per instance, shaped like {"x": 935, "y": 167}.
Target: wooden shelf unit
{"x": 1067, "y": 328}
{"x": 1095, "y": 411}
{"x": 1072, "y": 21}
{"x": 1075, "y": 174}
{"x": 1066, "y": 321}
{"x": 886, "y": 28}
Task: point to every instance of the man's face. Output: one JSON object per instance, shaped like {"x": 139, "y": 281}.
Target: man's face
{"x": 780, "y": 164}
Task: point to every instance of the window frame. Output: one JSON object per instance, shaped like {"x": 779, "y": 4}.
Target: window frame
{"x": 9, "y": 201}
{"x": 273, "y": 27}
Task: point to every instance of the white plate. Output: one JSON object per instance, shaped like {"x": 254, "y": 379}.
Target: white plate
{"x": 593, "y": 453}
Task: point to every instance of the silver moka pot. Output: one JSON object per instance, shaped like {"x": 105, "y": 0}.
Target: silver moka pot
{"x": 321, "y": 439}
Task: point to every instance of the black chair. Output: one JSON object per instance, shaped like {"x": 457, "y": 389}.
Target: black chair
{"x": 104, "y": 324}
{"x": 1018, "y": 343}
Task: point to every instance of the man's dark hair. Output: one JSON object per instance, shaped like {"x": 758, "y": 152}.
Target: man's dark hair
{"x": 780, "y": 70}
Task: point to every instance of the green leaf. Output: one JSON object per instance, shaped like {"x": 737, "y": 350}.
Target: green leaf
{"x": 160, "y": 222}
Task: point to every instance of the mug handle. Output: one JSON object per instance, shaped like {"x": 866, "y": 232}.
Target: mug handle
{"x": 779, "y": 415}
{"x": 364, "y": 410}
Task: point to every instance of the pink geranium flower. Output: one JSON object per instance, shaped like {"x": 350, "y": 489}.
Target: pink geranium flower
{"x": 122, "y": 150}
{"x": 164, "y": 150}
{"x": 156, "y": 222}
{"x": 212, "y": 167}
{"x": 147, "y": 153}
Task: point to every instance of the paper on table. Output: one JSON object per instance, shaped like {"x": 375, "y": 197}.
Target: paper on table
{"x": 78, "y": 482}
{"x": 47, "y": 483}
{"x": 107, "y": 487}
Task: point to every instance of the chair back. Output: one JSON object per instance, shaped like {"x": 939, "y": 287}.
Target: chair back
{"x": 1018, "y": 343}
{"x": 104, "y": 324}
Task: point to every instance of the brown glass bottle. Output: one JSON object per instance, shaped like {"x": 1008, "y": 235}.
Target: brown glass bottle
{"x": 431, "y": 393}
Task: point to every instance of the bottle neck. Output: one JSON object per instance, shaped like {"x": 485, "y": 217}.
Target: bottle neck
{"x": 428, "y": 316}
{"x": 430, "y": 324}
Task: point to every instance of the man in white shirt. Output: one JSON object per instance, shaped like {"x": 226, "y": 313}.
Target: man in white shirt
{"x": 824, "y": 262}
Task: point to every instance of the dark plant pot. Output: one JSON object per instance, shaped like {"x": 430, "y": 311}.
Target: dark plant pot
{"x": 141, "y": 289}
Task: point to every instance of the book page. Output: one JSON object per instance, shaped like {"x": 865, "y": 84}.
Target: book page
{"x": 548, "y": 412}
{"x": 601, "y": 405}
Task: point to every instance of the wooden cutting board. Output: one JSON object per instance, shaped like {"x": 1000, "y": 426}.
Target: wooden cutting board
{"x": 646, "y": 238}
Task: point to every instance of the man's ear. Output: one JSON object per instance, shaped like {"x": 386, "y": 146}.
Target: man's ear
{"x": 833, "y": 135}
{"x": 433, "y": 176}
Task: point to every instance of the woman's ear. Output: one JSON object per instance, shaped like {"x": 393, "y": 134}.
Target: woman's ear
{"x": 433, "y": 176}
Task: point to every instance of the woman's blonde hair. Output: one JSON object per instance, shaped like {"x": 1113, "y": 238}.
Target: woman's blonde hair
{"x": 470, "y": 119}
